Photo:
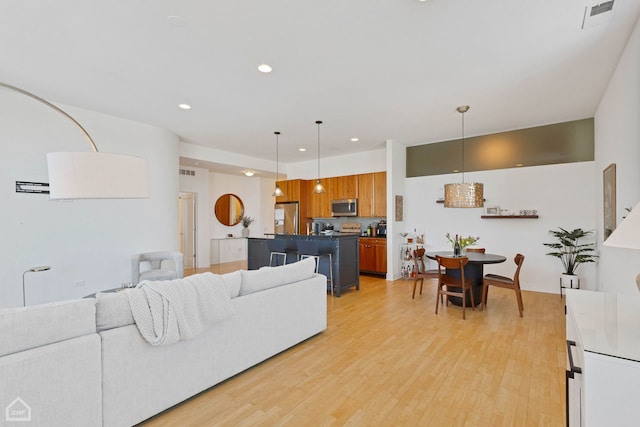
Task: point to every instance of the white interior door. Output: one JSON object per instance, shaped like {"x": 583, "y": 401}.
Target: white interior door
{"x": 187, "y": 228}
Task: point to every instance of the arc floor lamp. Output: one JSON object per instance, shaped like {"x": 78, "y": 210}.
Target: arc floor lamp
{"x": 91, "y": 174}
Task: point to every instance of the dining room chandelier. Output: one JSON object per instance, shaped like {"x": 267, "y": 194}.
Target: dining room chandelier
{"x": 464, "y": 194}
{"x": 318, "y": 188}
{"x": 278, "y": 191}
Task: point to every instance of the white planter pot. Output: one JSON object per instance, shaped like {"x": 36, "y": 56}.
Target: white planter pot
{"x": 570, "y": 280}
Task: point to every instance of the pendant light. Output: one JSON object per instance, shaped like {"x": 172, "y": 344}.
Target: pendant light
{"x": 318, "y": 188}
{"x": 278, "y": 192}
{"x": 465, "y": 194}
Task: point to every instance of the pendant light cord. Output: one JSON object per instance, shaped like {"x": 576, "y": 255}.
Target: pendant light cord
{"x": 277, "y": 156}
{"x": 463, "y": 147}
{"x": 462, "y": 109}
{"x": 318, "y": 123}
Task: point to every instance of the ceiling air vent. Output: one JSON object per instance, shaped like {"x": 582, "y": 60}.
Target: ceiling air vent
{"x": 187, "y": 172}
{"x": 597, "y": 14}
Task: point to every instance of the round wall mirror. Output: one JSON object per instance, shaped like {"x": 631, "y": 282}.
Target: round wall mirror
{"x": 229, "y": 209}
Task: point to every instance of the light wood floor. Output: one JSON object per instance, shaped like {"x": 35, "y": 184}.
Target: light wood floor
{"x": 388, "y": 360}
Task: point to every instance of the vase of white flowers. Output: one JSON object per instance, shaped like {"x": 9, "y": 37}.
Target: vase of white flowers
{"x": 463, "y": 242}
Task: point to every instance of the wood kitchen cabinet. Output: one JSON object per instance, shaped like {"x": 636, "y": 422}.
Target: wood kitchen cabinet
{"x": 344, "y": 187}
{"x": 380, "y": 194}
{"x": 373, "y": 255}
{"x": 291, "y": 189}
{"x": 370, "y": 189}
{"x": 320, "y": 204}
{"x": 372, "y": 194}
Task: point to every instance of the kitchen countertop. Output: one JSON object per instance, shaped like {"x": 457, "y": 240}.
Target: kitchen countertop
{"x": 334, "y": 234}
{"x": 607, "y": 323}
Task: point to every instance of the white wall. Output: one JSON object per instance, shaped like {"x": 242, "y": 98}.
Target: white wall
{"x": 396, "y": 186}
{"x": 617, "y": 136}
{"x": 348, "y": 164}
{"x": 562, "y": 194}
{"x": 88, "y": 243}
{"x": 199, "y": 184}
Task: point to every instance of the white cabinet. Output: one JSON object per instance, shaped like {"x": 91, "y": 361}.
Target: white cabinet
{"x": 228, "y": 250}
{"x": 605, "y": 329}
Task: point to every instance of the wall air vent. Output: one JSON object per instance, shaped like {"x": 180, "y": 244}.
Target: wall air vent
{"x": 597, "y": 14}
{"x": 187, "y": 172}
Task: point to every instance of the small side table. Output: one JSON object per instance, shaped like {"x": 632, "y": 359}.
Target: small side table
{"x": 572, "y": 281}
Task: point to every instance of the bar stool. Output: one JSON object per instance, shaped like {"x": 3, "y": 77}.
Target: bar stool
{"x": 277, "y": 248}
{"x": 308, "y": 249}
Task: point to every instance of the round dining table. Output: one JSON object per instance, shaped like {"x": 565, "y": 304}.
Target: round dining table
{"x": 473, "y": 270}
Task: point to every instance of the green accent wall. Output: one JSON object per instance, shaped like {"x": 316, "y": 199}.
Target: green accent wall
{"x": 566, "y": 142}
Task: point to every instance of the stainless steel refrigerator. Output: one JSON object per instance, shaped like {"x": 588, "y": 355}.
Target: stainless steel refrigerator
{"x": 286, "y": 217}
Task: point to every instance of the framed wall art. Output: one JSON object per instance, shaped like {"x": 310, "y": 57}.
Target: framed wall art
{"x": 492, "y": 210}
{"x": 609, "y": 199}
{"x": 399, "y": 209}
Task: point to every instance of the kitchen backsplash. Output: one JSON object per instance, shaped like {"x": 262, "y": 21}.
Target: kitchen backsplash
{"x": 337, "y": 222}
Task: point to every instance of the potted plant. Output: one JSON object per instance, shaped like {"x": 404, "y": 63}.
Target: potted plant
{"x": 571, "y": 252}
{"x": 246, "y": 222}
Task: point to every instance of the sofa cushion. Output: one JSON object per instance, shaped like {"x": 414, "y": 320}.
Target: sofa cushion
{"x": 34, "y": 326}
{"x": 269, "y": 277}
{"x": 112, "y": 310}
{"x": 233, "y": 282}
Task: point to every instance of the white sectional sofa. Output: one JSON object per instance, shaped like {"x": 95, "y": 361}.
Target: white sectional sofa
{"x": 119, "y": 379}
{"x": 50, "y": 369}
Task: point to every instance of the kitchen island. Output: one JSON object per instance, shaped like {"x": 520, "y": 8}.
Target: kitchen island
{"x": 342, "y": 246}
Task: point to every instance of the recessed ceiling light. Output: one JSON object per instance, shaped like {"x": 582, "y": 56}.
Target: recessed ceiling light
{"x": 456, "y": 170}
{"x": 249, "y": 173}
{"x": 519, "y": 164}
{"x": 264, "y": 68}
{"x": 355, "y": 139}
{"x": 302, "y": 149}
{"x": 184, "y": 106}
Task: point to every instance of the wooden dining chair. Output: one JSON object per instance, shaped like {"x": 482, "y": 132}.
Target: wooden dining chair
{"x": 420, "y": 271}
{"x": 505, "y": 282}
{"x": 478, "y": 250}
{"x": 447, "y": 283}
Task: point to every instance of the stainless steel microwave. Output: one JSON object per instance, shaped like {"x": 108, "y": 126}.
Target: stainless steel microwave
{"x": 347, "y": 207}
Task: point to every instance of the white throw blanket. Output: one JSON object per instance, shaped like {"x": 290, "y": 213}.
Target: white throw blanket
{"x": 171, "y": 310}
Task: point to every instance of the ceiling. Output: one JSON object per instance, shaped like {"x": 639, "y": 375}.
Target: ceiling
{"x": 371, "y": 69}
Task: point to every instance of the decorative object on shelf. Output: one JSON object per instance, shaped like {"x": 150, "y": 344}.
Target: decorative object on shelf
{"x": 464, "y": 194}
{"x": 528, "y": 212}
{"x": 492, "y": 210}
{"x": 246, "y": 222}
{"x": 278, "y": 192}
{"x": 609, "y": 199}
{"x": 31, "y": 270}
{"x": 91, "y": 175}
{"x": 462, "y": 242}
{"x": 319, "y": 188}
{"x": 626, "y": 234}
{"x": 571, "y": 252}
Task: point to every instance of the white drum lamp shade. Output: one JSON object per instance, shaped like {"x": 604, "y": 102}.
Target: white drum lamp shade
{"x": 95, "y": 175}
